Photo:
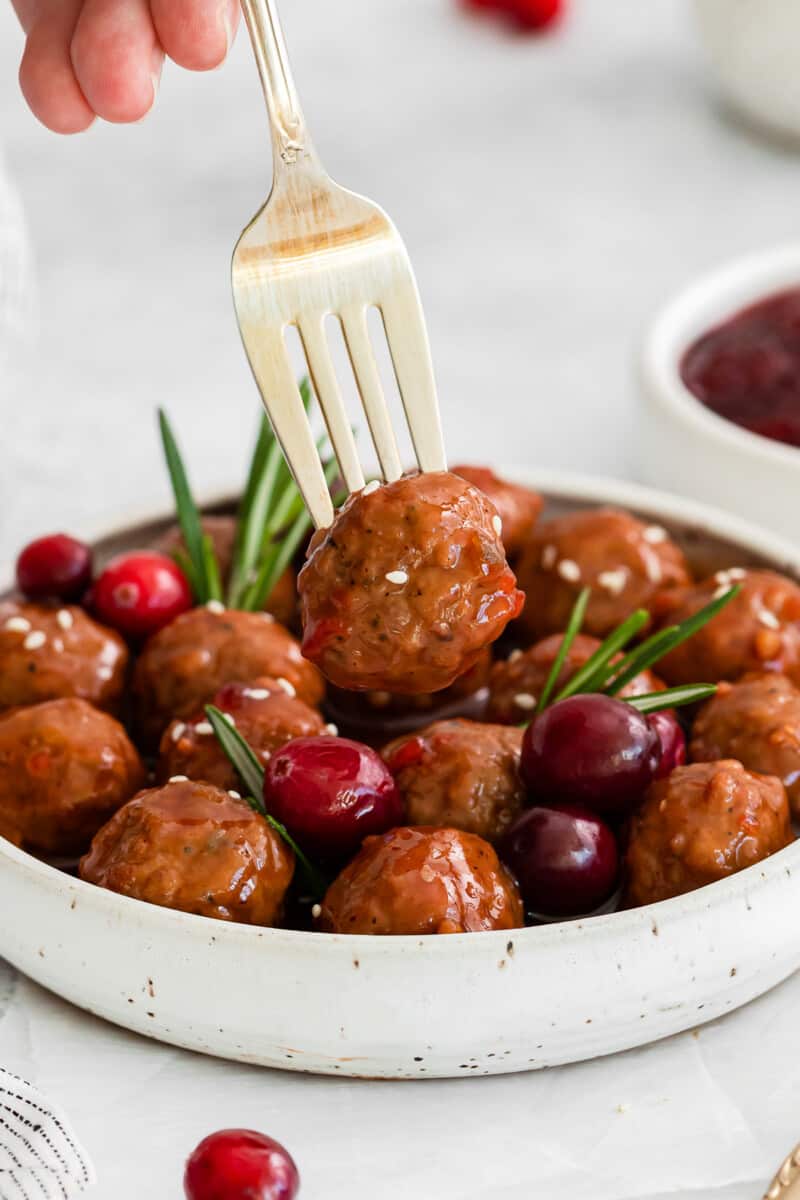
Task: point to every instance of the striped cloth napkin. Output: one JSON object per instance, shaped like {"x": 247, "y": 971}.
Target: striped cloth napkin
{"x": 40, "y": 1157}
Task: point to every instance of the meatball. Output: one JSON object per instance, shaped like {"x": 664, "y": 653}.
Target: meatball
{"x": 756, "y": 721}
{"x": 49, "y": 653}
{"x": 759, "y": 630}
{"x": 265, "y": 715}
{"x": 282, "y": 602}
{"x": 460, "y": 773}
{"x": 703, "y": 823}
{"x": 516, "y": 683}
{"x": 65, "y": 768}
{"x": 193, "y": 847}
{"x": 407, "y": 587}
{"x": 624, "y": 561}
{"x": 419, "y": 880}
{"x": 187, "y": 662}
{"x": 518, "y": 507}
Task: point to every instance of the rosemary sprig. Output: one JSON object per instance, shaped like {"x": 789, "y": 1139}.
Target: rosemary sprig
{"x": 690, "y": 693}
{"x": 594, "y": 672}
{"x": 244, "y": 761}
{"x": 195, "y": 562}
{"x": 570, "y": 633}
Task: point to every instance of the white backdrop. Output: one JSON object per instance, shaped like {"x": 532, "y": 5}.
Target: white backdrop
{"x": 551, "y": 193}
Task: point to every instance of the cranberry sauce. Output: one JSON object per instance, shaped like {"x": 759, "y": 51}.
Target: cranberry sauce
{"x": 748, "y": 369}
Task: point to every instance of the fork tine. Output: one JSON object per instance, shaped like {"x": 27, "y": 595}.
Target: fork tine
{"x": 365, "y": 369}
{"x": 326, "y": 386}
{"x": 269, "y": 360}
{"x": 407, "y": 338}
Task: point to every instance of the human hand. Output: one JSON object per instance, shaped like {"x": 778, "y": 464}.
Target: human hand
{"x": 88, "y": 58}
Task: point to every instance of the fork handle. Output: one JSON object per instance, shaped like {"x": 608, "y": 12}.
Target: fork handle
{"x": 289, "y": 133}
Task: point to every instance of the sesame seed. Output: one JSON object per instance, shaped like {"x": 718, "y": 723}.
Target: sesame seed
{"x": 288, "y": 687}
{"x": 525, "y": 700}
{"x": 234, "y": 795}
{"x": 399, "y": 577}
{"x": 35, "y": 640}
{"x": 370, "y": 487}
{"x": 514, "y": 655}
{"x": 267, "y": 616}
{"x": 497, "y": 525}
{"x": 613, "y": 581}
{"x": 203, "y": 729}
{"x": 65, "y": 618}
{"x": 720, "y": 592}
{"x": 723, "y": 577}
{"x": 178, "y": 730}
{"x": 737, "y": 574}
{"x": 549, "y": 556}
{"x": 215, "y": 606}
{"x": 104, "y": 672}
{"x": 58, "y": 645}
{"x": 769, "y": 619}
{"x": 316, "y": 911}
{"x": 569, "y": 570}
{"x": 17, "y": 625}
{"x": 655, "y": 534}
{"x": 178, "y": 779}
{"x": 427, "y": 874}
{"x": 257, "y": 693}
{"x": 653, "y": 568}
{"x": 231, "y": 721}
{"x": 332, "y": 729}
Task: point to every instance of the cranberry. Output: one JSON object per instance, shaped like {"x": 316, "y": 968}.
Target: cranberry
{"x": 331, "y": 793}
{"x": 592, "y": 750}
{"x": 672, "y": 738}
{"x": 141, "y": 592}
{"x": 565, "y": 860}
{"x": 239, "y": 1164}
{"x": 526, "y": 14}
{"x": 57, "y": 565}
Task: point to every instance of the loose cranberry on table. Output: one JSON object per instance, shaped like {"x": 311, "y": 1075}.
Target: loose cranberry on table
{"x": 592, "y": 750}
{"x": 57, "y": 565}
{"x": 141, "y": 592}
{"x": 240, "y": 1164}
{"x": 331, "y": 793}
{"x": 672, "y": 738}
{"x": 528, "y": 14}
{"x": 564, "y": 858}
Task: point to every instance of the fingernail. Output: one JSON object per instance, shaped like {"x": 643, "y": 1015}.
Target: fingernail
{"x": 156, "y": 65}
{"x": 226, "y": 20}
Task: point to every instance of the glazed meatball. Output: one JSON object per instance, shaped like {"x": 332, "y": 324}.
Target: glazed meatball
{"x": 374, "y": 717}
{"x": 193, "y": 847}
{"x": 407, "y": 587}
{"x": 49, "y": 653}
{"x": 464, "y": 774}
{"x": 756, "y": 721}
{"x": 703, "y": 823}
{"x": 518, "y": 507}
{"x": 420, "y": 880}
{"x": 65, "y": 768}
{"x": 282, "y": 602}
{"x": 759, "y": 630}
{"x": 184, "y": 664}
{"x": 624, "y": 561}
{"x": 265, "y": 715}
{"x": 516, "y": 683}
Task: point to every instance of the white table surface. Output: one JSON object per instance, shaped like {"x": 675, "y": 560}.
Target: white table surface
{"x": 552, "y": 193}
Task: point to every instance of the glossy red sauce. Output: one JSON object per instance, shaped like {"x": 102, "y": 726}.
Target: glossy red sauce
{"x": 748, "y": 369}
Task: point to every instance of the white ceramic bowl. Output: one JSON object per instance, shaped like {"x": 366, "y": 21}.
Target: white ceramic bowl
{"x": 684, "y": 446}
{"x": 408, "y": 1007}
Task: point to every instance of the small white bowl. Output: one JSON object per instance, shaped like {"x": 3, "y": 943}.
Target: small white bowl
{"x": 686, "y": 448}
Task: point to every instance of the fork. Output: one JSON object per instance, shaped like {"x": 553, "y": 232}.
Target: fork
{"x": 313, "y": 250}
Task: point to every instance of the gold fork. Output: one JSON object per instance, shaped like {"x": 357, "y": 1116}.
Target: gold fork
{"x": 786, "y": 1184}
{"x": 313, "y": 250}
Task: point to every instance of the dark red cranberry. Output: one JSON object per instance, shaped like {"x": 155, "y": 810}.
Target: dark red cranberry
{"x": 331, "y": 793}
{"x": 672, "y": 738}
{"x": 57, "y": 565}
{"x": 565, "y": 859}
{"x": 239, "y": 1164}
{"x": 141, "y": 592}
{"x": 526, "y": 14}
{"x": 592, "y": 750}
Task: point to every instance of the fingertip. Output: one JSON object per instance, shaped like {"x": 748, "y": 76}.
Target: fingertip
{"x": 50, "y": 88}
{"x": 196, "y": 34}
{"x": 118, "y": 77}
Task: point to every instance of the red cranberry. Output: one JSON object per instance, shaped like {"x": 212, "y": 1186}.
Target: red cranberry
{"x": 565, "y": 860}
{"x": 527, "y": 14}
{"x": 672, "y": 738}
{"x": 239, "y": 1164}
{"x": 141, "y": 592}
{"x": 331, "y": 793}
{"x": 592, "y": 750}
{"x": 57, "y": 565}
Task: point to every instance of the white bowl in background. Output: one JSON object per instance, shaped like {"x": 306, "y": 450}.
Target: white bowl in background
{"x": 753, "y": 47}
{"x": 421, "y": 1007}
{"x": 687, "y": 448}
